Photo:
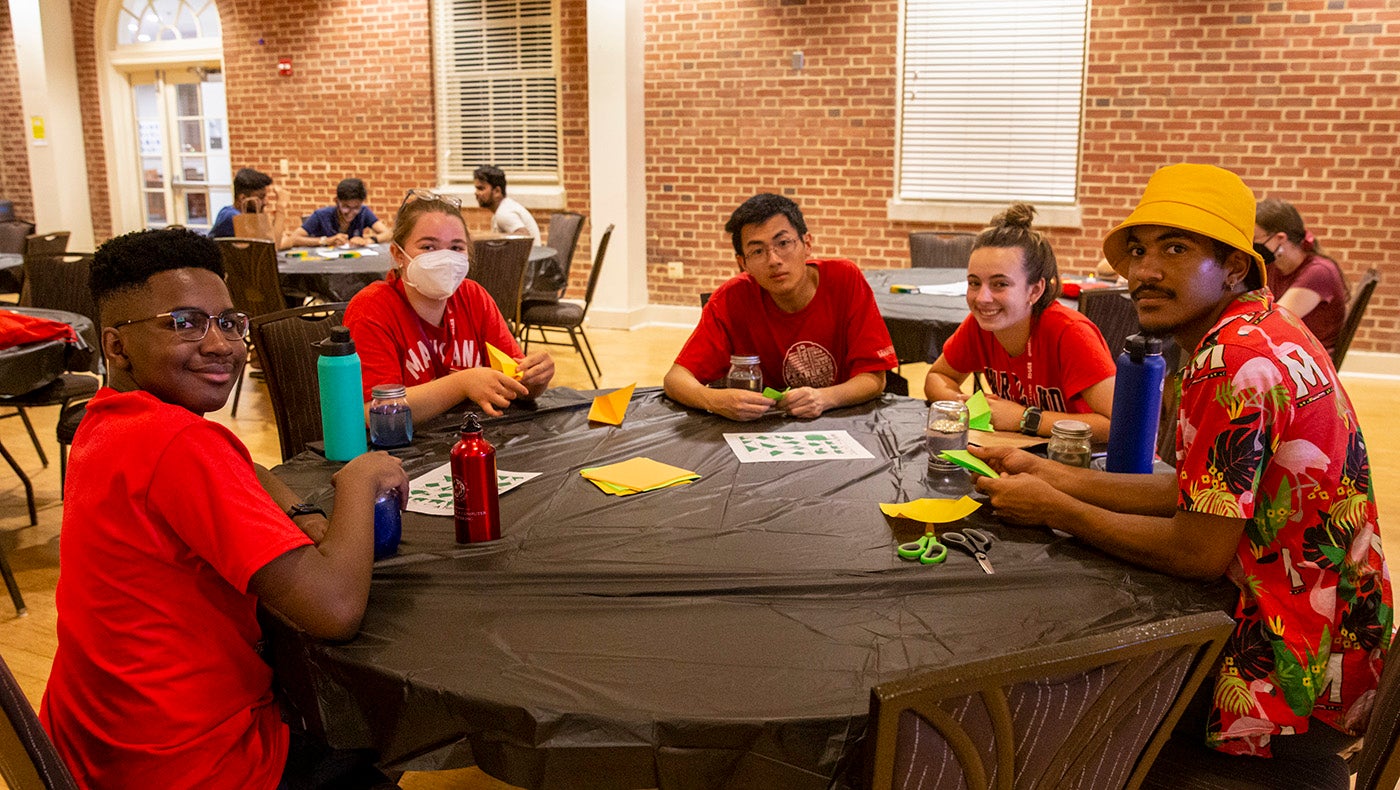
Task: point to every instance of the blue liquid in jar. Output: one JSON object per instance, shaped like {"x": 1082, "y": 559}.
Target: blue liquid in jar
{"x": 388, "y": 524}
{"x": 390, "y": 425}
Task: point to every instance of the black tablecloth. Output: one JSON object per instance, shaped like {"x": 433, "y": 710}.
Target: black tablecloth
{"x": 338, "y": 279}
{"x": 30, "y": 366}
{"x": 728, "y": 630}
{"x": 918, "y": 323}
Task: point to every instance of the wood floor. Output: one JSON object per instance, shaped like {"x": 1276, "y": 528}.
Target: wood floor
{"x": 643, "y": 356}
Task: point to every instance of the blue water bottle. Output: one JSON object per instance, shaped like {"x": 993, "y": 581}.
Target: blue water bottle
{"x": 1137, "y": 406}
{"x": 342, "y": 408}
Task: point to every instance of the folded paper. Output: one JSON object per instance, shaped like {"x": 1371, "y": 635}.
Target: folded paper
{"x": 772, "y": 394}
{"x": 611, "y": 408}
{"x": 636, "y": 475}
{"x": 969, "y": 462}
{"x": 501, "y": 361}
{"x": 932, "y": 511}
{"x": 979, "y": 412}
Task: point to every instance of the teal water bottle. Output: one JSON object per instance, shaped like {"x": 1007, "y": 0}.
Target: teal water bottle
{"x": 342, "y": 408}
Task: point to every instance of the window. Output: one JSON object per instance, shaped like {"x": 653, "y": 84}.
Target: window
{"x": 149, "y": 21}
{"x": 990, "y": 108}
{"x": 498, "y": 90}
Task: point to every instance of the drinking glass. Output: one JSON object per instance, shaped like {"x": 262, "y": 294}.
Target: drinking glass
{"x": 946, "y": 429}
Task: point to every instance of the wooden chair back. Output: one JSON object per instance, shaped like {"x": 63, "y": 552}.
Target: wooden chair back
{"x": 937, "y": 250}
{"x": 1355, "y": 312}
{"x": 284, "y": 342}
{"x": 250, "y": 269}
{"x": 498, "y": 264}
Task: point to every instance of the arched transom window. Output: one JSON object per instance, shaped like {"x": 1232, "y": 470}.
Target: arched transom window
{"x": 148, "y": 21}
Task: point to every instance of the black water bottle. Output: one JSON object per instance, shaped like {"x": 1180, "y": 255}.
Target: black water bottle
{"x": 1137, "y": 405}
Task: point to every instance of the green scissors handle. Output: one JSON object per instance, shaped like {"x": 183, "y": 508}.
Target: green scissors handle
{"x": 927, "y": 550}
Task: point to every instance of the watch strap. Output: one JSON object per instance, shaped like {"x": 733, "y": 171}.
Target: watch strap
{"x": 304, "y": 509}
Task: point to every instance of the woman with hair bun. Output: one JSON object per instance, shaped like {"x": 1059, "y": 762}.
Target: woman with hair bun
{"x": 1040, "y": 361}
{"x": 1301, "y": 278}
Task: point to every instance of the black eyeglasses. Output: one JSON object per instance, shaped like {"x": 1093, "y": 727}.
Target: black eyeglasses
{"x": 192, "y": 325}
{"x": 428, "y": 194}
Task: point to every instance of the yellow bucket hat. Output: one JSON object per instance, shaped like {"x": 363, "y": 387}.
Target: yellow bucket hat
{"x": 1203, "y": 199}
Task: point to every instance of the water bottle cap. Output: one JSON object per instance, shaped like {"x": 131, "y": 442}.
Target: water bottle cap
{"x": 1141, "y": 345}
{"x": 472, "y": 424}
{"x": 338, "y": 344}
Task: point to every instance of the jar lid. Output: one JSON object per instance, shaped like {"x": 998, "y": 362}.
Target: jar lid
{"x": 741, "y": 359}
{"x": 1074, "y": 429}
{"x": 388, "y": 391}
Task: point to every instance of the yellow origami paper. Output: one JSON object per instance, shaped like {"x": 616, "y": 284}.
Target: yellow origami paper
{"x": 637, "y": 474}
{"x": 501, "y": 361}
{"x": 931, "y": 511}
{"x": 611, "y": 408}
{"x": 979, "y": 412}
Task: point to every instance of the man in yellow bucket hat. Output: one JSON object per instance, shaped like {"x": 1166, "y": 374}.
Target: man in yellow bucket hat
{"x": 1271, "y": 488}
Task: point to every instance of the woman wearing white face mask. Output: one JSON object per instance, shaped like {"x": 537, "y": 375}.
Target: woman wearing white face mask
{"x": 426, "y": 326}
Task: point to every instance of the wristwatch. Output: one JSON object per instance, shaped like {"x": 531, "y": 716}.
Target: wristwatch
{"x": 304, "y": 509}
{"x": 1030, "y": 421}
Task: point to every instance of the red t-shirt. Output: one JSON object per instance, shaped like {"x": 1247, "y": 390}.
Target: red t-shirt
{"x": 1266, "y": 433}
{"x": 157, "y": 681}
{"x": 839, "y": 334}
{"x": 1321, "y": 276}
{"x": 398, "y": 347}
{"x": 1065, "y": 355}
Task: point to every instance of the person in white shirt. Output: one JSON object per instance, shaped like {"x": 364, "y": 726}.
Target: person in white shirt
{"x": 509, "y": 216}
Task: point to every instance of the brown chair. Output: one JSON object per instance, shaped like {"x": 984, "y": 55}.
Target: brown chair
{"x": 284, "y": 341}
{"x": 41, "y": 244}
{"x": 569, "y": 317}
{"x": 57, "y": 282}
{"x": 499, "y": 266}
{"x": 1356, "y": 310}
{"x": 250, "y": 269}
{"x": 1112, "y": 311}
{"x": 936, "y": 250}
{"x": 28, "y": 759}
{"x": 1091, "y": 712}
{"x": 13, "y": 233}
{"x": 551, "y": 276}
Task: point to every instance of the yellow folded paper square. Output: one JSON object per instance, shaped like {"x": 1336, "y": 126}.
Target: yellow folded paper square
{"x": 611, "y": 408}
{"x": 501, "y": 361}
{"x": 639, "y": 474}
{"x": 932, "y": 511}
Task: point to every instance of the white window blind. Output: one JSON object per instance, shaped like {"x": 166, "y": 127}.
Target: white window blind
{"x": 991, "y": 100}
{"x": 497, "y": 88}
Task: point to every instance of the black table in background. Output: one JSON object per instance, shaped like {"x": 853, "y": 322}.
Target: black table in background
{"x": 721, "y": 633}
{"x": 918, "y": 323}
{"x": 338, "y": 279}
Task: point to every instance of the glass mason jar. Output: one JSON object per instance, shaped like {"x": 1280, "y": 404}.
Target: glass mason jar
{"x": 1070, "y": 443}
{"x": 390, "y": 419}
{"x": 744, "y": 373}
{"x": 946, "y": 429}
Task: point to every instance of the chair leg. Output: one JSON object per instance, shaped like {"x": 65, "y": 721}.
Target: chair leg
{"x": 62, "y": 468}
{"x": 33, "y": 437}
{"x": 579, "y": 350}
{"x": 525, "y": 339}
{"x": 28, "y": 486}
{"x": 10, "y": 582}
{"x": 589, "y": 346}
{"x": 237, "y": 390}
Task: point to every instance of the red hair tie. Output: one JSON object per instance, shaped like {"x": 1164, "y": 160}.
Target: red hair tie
{"x": 1309, "y": 242}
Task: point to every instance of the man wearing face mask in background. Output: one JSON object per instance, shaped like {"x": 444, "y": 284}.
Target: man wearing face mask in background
{"x": 426, "y": 327}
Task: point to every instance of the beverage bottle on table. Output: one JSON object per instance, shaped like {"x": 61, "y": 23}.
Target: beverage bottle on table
{"x": 1137, "y": 405}
{"x": 476, "y": 510}
{"x": 744, "y": 373}
{"x": 390, "y": 418}
{"x": 342, "y": 409}
{"x": 388, "y": 524}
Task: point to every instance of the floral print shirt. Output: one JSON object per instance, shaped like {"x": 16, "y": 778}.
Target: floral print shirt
{"x": 1266, "y": 433}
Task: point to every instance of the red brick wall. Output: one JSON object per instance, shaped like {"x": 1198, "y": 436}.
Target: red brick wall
{"x": 14, "y": 132}
{"x": 1300, "y": 98}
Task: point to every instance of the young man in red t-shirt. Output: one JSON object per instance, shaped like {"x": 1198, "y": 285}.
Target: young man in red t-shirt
{"x": 171, "y": 538}
{"x": 812, "y": 323}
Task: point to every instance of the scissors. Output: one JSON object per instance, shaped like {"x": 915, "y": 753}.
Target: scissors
{"x": 927, "y": 550}
{"x": 974, "y": 542}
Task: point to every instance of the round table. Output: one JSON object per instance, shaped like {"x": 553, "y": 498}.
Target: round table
{"x": 337, "y": 274}
{"x": 28, "y": 367}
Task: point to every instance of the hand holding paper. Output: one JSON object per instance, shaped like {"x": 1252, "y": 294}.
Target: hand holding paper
{"x": 611, "y": 408}
{"x": 979, "y": 412}
{"x": 502, "y": 361}
{"x": 969, "y": 462}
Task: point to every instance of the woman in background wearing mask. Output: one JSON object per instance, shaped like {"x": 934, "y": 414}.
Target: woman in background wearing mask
{"x": 1301, "y": 278}
{"x": 426, "y": 326}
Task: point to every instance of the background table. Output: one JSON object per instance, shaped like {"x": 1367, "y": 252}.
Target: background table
{"x": 338, "y": 279}
{"x": 918, "y": 323}
{"x": 30, "y": 366}
{"x": 725, "y": 630}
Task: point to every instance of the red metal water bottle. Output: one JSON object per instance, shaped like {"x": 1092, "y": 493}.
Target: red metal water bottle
{"x": 476, "y": 510}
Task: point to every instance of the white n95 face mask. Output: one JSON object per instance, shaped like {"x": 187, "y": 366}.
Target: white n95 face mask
{"x": 437, "y": 273}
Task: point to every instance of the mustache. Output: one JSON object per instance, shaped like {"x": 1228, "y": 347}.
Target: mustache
{"x": 1152, "y": 290}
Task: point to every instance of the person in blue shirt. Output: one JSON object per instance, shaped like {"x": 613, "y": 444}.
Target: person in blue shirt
{"x": 349, "y": 221}
{"x": 253, "y": 193}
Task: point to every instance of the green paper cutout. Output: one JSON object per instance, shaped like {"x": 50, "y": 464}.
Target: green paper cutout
{"x": 772, "y": 394}
{"x": 979, "y": 412}
{"x": 969, "y": 462}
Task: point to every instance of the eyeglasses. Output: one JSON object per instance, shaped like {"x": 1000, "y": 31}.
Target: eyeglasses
{"x": 783, "y": 247}
{"x": 429, "y": 195}
{"x": 192, "y": 325}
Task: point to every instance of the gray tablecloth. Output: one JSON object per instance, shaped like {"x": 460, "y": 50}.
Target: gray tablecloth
{"x": 721, "y": 633}
{"x": 918, "y": 323}
{"x": 30, "y": 366}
